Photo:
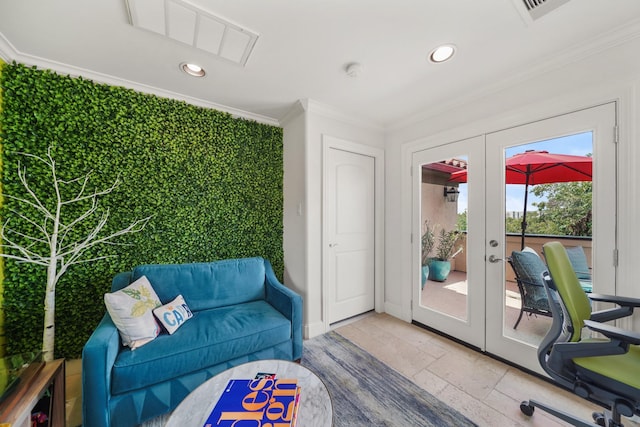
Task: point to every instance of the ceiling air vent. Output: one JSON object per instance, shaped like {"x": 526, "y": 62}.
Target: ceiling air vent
{"x": 191, "y": 25}
{"x": 535, "y": 9}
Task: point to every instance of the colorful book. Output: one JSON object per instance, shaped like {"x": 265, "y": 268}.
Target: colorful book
{"x": 262, "y": 401}
{"x": 295, "y": 408}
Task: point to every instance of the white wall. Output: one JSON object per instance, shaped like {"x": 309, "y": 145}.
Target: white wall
{"x": 295, "y": 206}
{"x": 602, "y": 76}
{"x": 318, "y": 120}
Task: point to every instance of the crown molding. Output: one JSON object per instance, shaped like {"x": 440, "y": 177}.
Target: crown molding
{"x": 9, "y": 53}
{"x": 298, "y": 108}
{"x": 316, "y": 107}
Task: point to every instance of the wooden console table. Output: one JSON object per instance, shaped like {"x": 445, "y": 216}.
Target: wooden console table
{"x": 15, "y": 410}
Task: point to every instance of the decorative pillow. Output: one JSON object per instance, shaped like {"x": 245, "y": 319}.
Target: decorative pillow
{"x": 528, "y": 249}
{"x": 131, "y": 311}
{"x": 578, "y": 261}
{"x": 528, "y": 267}
{"x": 174, "y": 314}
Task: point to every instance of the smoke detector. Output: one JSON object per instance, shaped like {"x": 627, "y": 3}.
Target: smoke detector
{"x": 353, "y": 69}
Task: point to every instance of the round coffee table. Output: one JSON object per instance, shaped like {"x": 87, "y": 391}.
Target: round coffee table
{"x": 315, "y": 409}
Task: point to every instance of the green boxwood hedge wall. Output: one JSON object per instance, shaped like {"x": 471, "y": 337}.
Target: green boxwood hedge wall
{"x": 213, "y": 184}
{"x": 2, "y": 335}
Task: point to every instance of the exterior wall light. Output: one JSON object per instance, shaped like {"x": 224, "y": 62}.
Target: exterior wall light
{"x": 451, "y": 194}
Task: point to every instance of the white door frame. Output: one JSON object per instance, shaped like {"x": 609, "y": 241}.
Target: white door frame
{"x": 328, "y": 143}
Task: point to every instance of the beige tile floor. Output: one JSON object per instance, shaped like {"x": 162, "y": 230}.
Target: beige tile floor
{"x": 450, "y": 297}
{"x": 487, "y": 391}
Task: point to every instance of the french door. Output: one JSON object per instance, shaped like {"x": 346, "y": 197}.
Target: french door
{"x": 461, "y": 185}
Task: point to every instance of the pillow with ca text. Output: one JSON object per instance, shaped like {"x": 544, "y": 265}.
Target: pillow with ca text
{"x": 174, "y": 314}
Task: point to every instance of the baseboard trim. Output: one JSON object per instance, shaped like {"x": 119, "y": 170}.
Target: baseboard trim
{"x": 313, "y": 330}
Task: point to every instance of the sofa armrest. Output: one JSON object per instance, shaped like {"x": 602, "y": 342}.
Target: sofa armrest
{"x": 286, "y": 302}
{"x": 98, "y": 356}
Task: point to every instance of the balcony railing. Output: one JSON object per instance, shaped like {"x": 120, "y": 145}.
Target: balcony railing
{"x": 534, "y": 241}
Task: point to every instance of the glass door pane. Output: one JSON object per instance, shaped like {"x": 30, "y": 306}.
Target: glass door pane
{"x": 555, "y": 205}
{"x": 448, "y": 285}
{"x": 443, "y": 239}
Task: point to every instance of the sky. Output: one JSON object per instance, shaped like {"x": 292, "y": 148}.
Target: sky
{"x": 578, "y": 145}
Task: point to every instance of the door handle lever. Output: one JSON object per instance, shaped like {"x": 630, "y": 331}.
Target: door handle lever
{"x": 494, "y": 259}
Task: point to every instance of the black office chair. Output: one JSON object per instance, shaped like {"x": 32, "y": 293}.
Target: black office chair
{"x": 604, "y": 370}
{"x": 528, "y": 269}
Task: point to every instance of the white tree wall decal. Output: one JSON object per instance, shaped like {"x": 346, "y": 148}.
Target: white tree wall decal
{"x": 52, "y": 245}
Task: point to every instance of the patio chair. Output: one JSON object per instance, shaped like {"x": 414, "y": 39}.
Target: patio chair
{"x": 579, "y": 263}
{"x": 528, "y": 268}
{"x": 601, "y": 370}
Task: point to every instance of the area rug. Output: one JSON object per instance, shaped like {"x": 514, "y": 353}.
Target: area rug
{"x": 366, "y": 392}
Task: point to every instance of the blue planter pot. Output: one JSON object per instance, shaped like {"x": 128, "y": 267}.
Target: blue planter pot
{"x": 439, "y": 270}
{"x": 425, "y": 274}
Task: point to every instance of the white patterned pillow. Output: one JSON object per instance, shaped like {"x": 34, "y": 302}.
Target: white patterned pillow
{"x": 131, "y": 311}
{"x": 174, "y": 314}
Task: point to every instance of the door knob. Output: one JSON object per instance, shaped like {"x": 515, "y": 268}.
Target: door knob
{"x": 492, "y": 258}
{"x": 333, "y": 245}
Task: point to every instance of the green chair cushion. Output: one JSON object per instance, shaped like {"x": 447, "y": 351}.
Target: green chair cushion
{"x": 619, "y": 367}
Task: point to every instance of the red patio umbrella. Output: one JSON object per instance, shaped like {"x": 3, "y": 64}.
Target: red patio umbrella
{"x": 540, "y": 167}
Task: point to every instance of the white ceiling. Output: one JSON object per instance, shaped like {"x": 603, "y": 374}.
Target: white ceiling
{"x": 304, "y": 45}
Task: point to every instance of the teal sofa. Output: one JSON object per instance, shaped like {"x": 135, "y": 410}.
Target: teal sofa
{"x": 241, "y": 312}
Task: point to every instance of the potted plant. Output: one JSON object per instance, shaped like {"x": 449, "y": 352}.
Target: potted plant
{"x": 440, "y": 265}
{"x": 427, "y": 242}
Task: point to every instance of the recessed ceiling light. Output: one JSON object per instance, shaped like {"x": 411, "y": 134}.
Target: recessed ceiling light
{"x": 192, "y": 69}
{"x": 442, "y": 53}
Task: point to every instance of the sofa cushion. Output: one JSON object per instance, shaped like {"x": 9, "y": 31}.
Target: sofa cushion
{"x": 210, "y": 337}
{"x": 131, "y": 311}
{"x": 207, "y": 285}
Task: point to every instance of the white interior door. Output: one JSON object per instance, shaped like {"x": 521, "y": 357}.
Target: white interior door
{"x": 349, "y": 233}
